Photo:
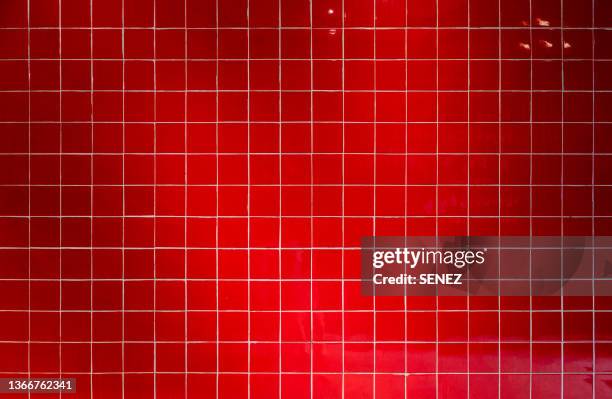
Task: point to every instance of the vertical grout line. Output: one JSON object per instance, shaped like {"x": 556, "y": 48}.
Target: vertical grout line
{"x": 61, "y": 130}
{"x": 593, "y": 131}
{"x": 280, "y": 198}
{"x": 499, "y": 181}
{"x": 217, "y": 197}
{"x": 499, "y": 211}
{"x": 91, "y": 203}
{"x": 123, "y": 199}
{"x": 154, "y": 200}
{"x": 405, "y": 192}
{"x": 530, "y": 199}
{"x": 374, "y": 206}
{"x": 29, "y": 198}
{"x": 467, "y": 299}
{"x": 343, "y": 242}
{"x": 562, "y": 299}
{"x": 186, "y": 199}
{"x": 249, "y": 198}
{"x": 437, "y": 186}
{"x": 311, "y": 349}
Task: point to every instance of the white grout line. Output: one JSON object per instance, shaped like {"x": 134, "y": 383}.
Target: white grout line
{"x": 406, "y": 379}
{"x": 171, "y": 28}
{"x": 386, "y": 91}
{"x": 530, "y": 200}
{"x": 185, "y": 220}
{"x": 217, "y": 358}
{"x": 280, "y": 201}
{"x": 509, "y": 28}
{"x": 91, "y": 199}
{"x": 605, "y": 123}
{"x": 499, "y": 181}
{"x": 154, "y": 200}
{"x": 437, "y": 202}
{"x": 467, "y": 299}
{"x": 424, "y": 310}
{"x": 60, "y": 185}
{"x": 593, "y": 357}
{"x": 386, "y": 154}
{"x": 123, "y": 149}
{"x": 349, "y": 60}
{"x": 29, "y": 204}
{"x": 321, "y": 341}
{"x": 342, "y": 260}
{"x": 311, "y": 64}
{"x": 166, "y": 373}
{"x": 357, "y": 216}
{"x": 249, "y": 198}
{"x": 562, "y": 221}
{"x": 374, "y": 201}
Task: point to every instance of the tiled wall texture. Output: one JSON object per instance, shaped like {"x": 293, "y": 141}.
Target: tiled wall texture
{"x": 184, "y": 184}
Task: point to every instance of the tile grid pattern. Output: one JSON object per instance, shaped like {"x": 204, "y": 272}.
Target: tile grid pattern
{"x": 237, "y": 171}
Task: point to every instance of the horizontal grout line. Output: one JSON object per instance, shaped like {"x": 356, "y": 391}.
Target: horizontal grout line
{"x": 250, "y": 248}
{"x": 161, "y": 153}
{"x": 246, "y": 90}
{"x": 303, "y": 217}
{"x": 302, "y": 280}
{"x": 309, "y": 27}
{"x": 329, "y": 59}
{"x": 308, "y": 310}
{"x": 276, "y": 122}
{"x": 309, "y": 373}
{"x": 313, "y": 185}
{"x": 321, "y": 216}
{"x": 330, "y": 342}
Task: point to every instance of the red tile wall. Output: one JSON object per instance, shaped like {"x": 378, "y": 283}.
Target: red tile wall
{"x": 184, "y": 185}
